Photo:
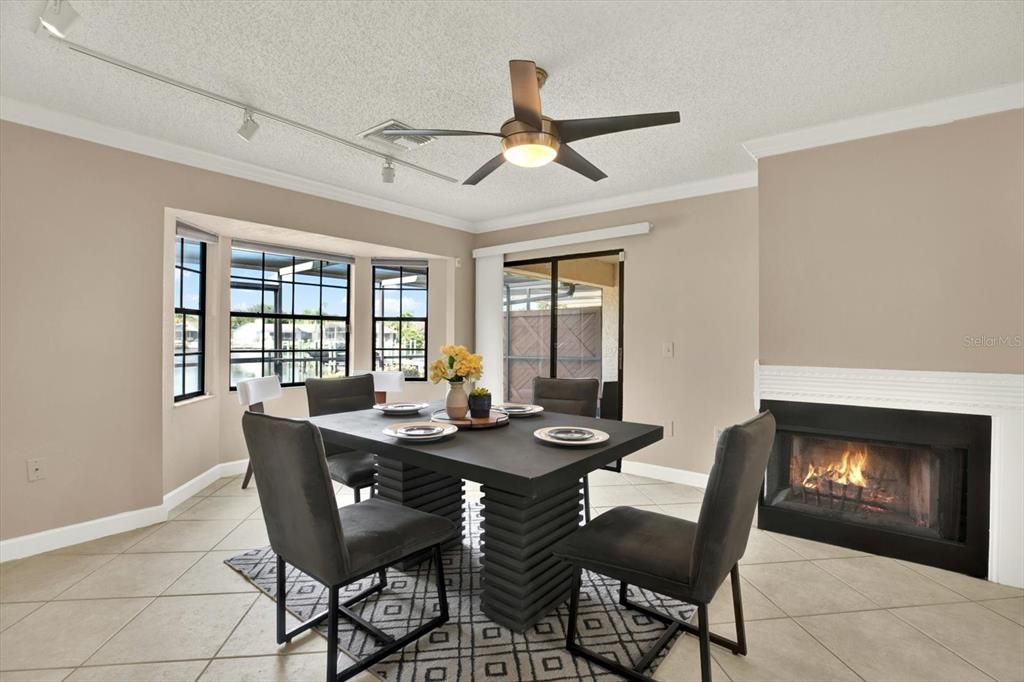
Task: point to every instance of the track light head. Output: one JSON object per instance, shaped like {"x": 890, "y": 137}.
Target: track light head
{"x": 57, "y": 17}
{"x": 387, "y": 173}
{"x": 249, "y": 126}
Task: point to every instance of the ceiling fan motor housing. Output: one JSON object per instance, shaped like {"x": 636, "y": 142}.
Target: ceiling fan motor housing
{"x": 524, "y": 146}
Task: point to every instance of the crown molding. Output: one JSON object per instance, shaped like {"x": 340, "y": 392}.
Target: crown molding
{"x": 932, "y": 113}
{"x": 570, "y": 239}
{"x": 686, "y": 190}
{"x": 62, "y": 123}
{"x": 35, "y": 116}
{"x": 935, "y": 112}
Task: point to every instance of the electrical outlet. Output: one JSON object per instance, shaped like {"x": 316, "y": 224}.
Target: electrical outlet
{"x": 36, "y": 471}
{"x": 668, "y": 349}
{"x": 458, "y": 262}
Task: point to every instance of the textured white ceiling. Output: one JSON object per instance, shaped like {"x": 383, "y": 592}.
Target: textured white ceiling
{"x": 735, "y": 71}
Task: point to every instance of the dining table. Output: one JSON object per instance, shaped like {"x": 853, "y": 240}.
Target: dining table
{"x": 530, "y": 489}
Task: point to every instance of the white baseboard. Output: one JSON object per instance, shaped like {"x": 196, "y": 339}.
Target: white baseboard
{"x": 65, "y": 536}
{"x": 683, "y": 476}
{"x": 187, "y": 490}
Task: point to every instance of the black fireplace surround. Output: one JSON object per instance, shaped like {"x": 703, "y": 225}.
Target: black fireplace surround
{"x": 899, "y": 483}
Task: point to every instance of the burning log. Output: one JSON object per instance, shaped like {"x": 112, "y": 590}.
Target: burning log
{"x": 840, "y": 495}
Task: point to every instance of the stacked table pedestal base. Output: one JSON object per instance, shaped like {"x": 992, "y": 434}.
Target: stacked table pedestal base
{"x": 421, "y": 489}
{"x": 522, "y": 580}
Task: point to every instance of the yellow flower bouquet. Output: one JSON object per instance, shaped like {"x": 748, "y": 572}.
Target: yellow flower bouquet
{"x": 456, "y": 366}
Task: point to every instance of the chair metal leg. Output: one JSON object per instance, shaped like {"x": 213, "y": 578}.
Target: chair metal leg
{"x": 332, "y": 634}
{"x": 442, "y": 588}
{"x": 635, "y": 673}
{"x": 737, "y": 606}
{"x": 684, "y": 626}
{"x": 406, "y": 639}
{"x": 355, "y": 492}
{"x": 337, "y": 610}
{"x": 284, "y": 635}
{"x": 702, "y": 630}
{"x": 574, "y": 604}
{"x": 705, "y": 643}
{"x": 586, "y": 499}
{"x": 248, "y": 476}
{"x": 282, "y": 589}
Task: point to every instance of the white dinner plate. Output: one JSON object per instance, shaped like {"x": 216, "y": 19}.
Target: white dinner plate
{"x": 519, "y": 409}
{"x": 400, "y": 408}
{"x": 429, "y": 433}
{"x": 544, "y": 435}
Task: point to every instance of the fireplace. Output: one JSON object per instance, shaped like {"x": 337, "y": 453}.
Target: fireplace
{"x": 901, "y": 483}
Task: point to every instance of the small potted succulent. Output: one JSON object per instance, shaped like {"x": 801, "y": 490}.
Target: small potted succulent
{"x": 479, "y": 402}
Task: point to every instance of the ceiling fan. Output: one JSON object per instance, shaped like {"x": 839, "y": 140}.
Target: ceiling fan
{"x": 530, "y": 140}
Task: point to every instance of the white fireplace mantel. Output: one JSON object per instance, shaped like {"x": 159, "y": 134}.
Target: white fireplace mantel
{"x": 1000, "y": 396}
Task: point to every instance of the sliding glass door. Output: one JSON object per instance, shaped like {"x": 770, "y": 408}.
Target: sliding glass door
{"x": 563, "y": 319}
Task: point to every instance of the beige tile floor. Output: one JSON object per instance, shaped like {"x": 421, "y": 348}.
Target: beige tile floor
{"x": 159, "y": 604}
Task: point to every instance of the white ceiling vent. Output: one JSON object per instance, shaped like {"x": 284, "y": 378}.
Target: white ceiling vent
{"x": 396, "y": 143}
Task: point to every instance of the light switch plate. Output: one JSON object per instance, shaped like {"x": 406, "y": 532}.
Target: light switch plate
{"x": 35, "y": 469}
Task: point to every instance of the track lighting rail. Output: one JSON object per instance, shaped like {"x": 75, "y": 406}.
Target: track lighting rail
{"x": 89, "y": 52}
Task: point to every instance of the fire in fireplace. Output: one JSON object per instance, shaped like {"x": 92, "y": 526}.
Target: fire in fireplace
{"x": 894, "y": 482}
{"x": 863, "y": 482}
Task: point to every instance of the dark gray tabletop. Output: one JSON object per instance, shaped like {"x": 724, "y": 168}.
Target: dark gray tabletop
{"x": 507, "y": 457}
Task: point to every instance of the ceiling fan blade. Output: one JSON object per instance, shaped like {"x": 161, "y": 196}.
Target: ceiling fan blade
{"x": 571, "y": 159}
{"x": 485, "y": 170}
{"x": 398, "y": 132}
{"x": 525, "y": 92}
{"x": 581, "y": 128}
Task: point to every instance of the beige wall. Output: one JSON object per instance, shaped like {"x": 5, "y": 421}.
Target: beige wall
{"x": 887, "y": 252}
{"x": 884, "y": 252}
{"x": 692, "y": 281}
{"x": 82, "y": 230}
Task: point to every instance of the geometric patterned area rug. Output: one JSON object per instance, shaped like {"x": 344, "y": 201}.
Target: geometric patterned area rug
{"x": 470, "y": 646}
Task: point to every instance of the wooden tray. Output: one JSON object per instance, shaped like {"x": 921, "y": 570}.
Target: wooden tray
{"x": 496, "y": 418}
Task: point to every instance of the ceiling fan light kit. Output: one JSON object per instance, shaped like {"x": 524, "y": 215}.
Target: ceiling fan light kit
{"x": 530, "y": 149}
{"x": 523, "y": 146}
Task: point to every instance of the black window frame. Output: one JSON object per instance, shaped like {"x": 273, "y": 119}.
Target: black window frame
{"x": 270, "y": 356}
{"x": 378, "y": 351}
{"x": 179, "y": 309}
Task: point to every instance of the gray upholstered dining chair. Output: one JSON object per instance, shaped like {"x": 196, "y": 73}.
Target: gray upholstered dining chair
{"x": 569, "y": 396}
{"x": 334, "y": 546}
{"x": 678, "y": 558}
{"x": 353, "y": 468}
